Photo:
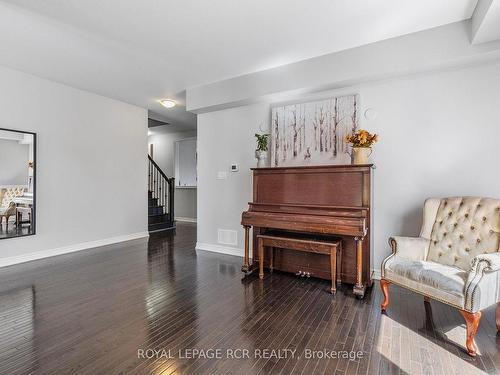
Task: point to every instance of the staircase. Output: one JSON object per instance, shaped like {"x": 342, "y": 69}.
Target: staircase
{"x": 160, "y": 198}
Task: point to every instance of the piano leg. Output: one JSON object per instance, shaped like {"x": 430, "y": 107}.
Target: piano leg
{"x": 246, "y": 266}
{"x": 359, "y": 287}
{"x": 333, "y": 268}
{"x": 339, "y": 264}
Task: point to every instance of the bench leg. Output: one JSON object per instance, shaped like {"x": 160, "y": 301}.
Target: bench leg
{"x": 271, "y": 261}
{"x": 261, "y": 258}
{"x": 333, "y": 269}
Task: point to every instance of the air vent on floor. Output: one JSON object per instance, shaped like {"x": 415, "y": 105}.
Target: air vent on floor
{"x": 227, "y": 237}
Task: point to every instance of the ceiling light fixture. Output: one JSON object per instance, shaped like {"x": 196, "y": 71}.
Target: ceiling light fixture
{"x": 168, "y": 103}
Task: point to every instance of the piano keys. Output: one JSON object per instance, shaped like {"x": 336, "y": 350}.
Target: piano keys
{"x": 330, "y": 201}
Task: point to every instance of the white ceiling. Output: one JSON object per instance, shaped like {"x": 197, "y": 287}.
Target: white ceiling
{"x": 142, "y": 51}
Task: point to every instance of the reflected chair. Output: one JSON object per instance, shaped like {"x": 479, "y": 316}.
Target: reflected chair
{"x": 7, "y": 212}
{"x": 455, "y": 260}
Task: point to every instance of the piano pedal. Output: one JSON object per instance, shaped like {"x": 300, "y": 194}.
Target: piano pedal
{"x": 303, "y": 274}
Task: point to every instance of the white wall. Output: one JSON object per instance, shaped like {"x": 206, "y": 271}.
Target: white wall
{"x": 439, "y": 137}
{"x": 91, "y": 164}
{"x": 163, "y": 150}
{"x": 13, "y": 162}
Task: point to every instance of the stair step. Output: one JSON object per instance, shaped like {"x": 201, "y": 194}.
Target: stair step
{"x": 155, "y": 210}
{"x": 158, "y": 218}
{"x": 160, "y": 226}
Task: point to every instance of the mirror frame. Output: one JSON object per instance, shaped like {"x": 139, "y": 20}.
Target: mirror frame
{"x": 35, "y": 162}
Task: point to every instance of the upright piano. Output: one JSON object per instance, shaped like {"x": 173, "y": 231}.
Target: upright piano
{"x": 328, "y": 200}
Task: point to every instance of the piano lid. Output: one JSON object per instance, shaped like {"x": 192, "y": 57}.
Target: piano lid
{"x": 306, "y": 167}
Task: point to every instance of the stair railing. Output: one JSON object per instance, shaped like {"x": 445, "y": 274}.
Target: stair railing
{"x": 162, "y": 188}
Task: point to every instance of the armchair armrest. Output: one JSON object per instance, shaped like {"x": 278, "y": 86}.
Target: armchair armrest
{"x": 485, "y": 263}
{"x": 413, "y": 248}
{"x": 483, "y": 282}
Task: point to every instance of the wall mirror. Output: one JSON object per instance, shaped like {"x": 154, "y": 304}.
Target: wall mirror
{"x": 17, "y": 183}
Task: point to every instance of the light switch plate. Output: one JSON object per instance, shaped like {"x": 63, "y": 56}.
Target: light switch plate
{"x": 221, "y": 175}
{"x": 234, "y": 167}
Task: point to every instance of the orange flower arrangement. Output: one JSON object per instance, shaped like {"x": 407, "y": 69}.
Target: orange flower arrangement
{"x": 361, "y": 138}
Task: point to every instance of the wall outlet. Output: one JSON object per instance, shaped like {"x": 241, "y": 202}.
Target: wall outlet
{"x": 234, "y": 167}
{"x": 221, "y": 175}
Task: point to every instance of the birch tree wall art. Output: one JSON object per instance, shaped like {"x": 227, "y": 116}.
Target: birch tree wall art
{"x": 313, "y": 133}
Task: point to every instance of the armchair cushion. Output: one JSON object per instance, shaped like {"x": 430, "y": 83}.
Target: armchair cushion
{"x": 413, "y": 248}
{"x": 438, "y": 281}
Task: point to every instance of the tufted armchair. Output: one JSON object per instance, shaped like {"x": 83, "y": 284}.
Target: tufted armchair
{"x": 455, "y": 260}
{"x": 8, "y": 193}
{"x": 7, "y": 206}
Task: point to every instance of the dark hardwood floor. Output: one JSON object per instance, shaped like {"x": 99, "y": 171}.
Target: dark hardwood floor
{"x": 100, "y": 311}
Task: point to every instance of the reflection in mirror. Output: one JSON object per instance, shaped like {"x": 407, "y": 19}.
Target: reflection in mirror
{"x": 17, "y": 183}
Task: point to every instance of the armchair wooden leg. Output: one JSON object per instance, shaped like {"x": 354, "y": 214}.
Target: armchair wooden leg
{"x": 472, "y": 321}
{"x": 497, "y": 317}
{"x": 384, "y": 285}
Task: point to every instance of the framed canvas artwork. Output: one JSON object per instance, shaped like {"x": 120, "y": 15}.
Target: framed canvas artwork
{"x": 313, "y": 133}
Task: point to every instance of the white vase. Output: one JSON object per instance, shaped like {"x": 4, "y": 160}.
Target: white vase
{"x": 360, "y": 155}
{"x": 261, "y": 158}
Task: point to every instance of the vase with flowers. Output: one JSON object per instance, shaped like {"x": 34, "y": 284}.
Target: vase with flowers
{"x": 262, "y": 149}
{"x": 361, "y": 142}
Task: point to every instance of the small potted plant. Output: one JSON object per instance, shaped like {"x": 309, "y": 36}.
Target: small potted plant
{"x": 261, "y": 151}
{"x": 361, "y": 142}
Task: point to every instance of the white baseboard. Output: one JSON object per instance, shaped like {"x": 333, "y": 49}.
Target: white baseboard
{"x": 239, "y": 253}
{"x": 9, "y": 261}
{"x": 186, "y": 219}
{"x": 220, "y": 249}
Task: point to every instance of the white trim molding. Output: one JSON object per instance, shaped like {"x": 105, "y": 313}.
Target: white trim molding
{"x": 220, "y": 249}
{"x": 239, "y": 253}
{"x": 186, "y": 219}
{"x": 9, "y": 261}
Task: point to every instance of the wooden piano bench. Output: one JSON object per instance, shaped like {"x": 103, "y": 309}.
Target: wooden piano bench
{"x": 331, "y": 248}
